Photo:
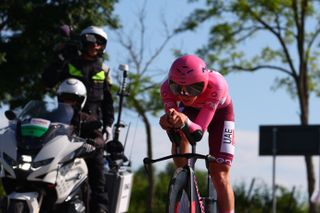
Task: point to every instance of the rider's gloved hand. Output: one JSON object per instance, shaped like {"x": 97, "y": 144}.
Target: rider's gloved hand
{"x": 88, "y": 148}
{"x": 65, "y": 30}
{"x": 107, "y": 133}
{"x": 98, "y": 142}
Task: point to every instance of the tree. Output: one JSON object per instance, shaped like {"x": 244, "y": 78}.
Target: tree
{"x": 260, "y": 199}
{"x": 292, "y": 24}
{"x": 28, "y": 32}
{"x": 144, "y": 88}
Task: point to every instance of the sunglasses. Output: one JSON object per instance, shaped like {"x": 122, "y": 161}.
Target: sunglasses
{"x": 94, "y": 39}
{"x": 187, "y": 90}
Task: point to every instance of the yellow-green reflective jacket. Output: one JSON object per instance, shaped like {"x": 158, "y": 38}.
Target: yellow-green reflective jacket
{"x": 94, "y": 84}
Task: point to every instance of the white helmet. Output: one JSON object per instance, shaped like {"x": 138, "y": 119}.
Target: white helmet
{"x": 95, "y": 30}
{"x": 93, "y": 34}
{"x": 72, "y": 89}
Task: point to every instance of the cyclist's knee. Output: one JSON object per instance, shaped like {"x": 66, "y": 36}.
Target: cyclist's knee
{"x": 220, "y": 174}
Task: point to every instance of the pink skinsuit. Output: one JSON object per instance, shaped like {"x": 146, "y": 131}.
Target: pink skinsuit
{"x": 212, "y": 111}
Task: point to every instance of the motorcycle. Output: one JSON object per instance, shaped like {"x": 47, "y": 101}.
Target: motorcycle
{"x": 42, "y": 165}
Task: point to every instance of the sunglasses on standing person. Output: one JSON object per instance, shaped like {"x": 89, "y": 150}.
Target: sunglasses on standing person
{"x": 93, "y": 39}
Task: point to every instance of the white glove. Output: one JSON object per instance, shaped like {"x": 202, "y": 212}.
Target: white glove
{"x": 88, "y": 148}
{"x": 107, "y": 133}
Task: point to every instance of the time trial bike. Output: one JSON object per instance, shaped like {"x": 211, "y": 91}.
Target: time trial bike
{"x": 183, "y": 194}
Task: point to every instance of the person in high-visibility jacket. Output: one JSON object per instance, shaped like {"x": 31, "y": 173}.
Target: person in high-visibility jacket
{"x": 89, "y": 68}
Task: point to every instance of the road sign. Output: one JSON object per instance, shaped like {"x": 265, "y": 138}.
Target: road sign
{"x": 289, "y": 140}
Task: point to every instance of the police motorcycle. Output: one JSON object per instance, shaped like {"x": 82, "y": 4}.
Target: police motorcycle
{"x": 117, "y": 169}
{"x": 42, "y": 165}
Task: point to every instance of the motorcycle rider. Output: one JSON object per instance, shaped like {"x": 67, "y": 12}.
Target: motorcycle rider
{"x": 88, "y": 67}
{"x": 72, "y": 91}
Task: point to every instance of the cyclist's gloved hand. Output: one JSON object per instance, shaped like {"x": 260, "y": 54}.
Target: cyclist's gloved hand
{"x": 107, "y": 133}
{"x": 177, "y": 119}
{"x": 164, "y": 123}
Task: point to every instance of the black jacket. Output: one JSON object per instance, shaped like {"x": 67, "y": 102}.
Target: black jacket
{"x": 95, "y": 78}
{"x": 85, "y": 129}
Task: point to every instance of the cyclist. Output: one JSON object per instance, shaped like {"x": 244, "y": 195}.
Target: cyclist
{"x": 198, "y": 97}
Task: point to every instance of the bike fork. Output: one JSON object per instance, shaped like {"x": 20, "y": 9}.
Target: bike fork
{"x": 211, "y": 201}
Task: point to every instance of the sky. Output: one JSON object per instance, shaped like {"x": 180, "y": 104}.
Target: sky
{"x": 255, "y": 103}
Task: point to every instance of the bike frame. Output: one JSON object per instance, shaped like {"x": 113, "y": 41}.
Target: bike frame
{"x": 184, "y": 179}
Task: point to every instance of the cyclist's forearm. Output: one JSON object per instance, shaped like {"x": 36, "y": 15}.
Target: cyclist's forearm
{"x": 183, "y": 148}
{"x": 193, "y": 135}
{"x": 192, "y": 126}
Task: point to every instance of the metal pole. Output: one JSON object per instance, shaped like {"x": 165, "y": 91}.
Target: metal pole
{"x": 274, "y": 153}
{"x": 121, "y": 94}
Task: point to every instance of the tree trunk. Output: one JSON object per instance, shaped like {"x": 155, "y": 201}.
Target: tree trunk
{"x": 304, "y": 118}
{"x": 150, "y": 167}
{"x": 149, "y": 200}
{"x": 311, "y": 182}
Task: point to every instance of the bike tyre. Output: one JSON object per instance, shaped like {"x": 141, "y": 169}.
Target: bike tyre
{"x": 178, "y": 185}
{"x": 18, "y": 206}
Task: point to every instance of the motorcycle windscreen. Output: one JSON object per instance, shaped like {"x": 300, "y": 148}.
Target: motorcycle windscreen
{"x": 51, "y": 111}
{"x": 41, "y": 121}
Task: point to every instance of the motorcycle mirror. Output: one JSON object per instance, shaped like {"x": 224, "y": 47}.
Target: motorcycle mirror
{"x": 10, "y": 115}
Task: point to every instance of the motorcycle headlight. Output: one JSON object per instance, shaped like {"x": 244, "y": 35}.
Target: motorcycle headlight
{"x": 25, "y": 162}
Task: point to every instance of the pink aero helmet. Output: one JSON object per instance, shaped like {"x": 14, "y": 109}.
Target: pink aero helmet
{"x": 189, "y": 70}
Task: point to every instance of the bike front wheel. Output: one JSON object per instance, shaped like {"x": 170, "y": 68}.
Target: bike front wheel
{"x": 179, "y": 198}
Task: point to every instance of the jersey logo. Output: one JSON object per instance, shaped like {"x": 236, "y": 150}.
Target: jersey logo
{"x": 227, "y": 143}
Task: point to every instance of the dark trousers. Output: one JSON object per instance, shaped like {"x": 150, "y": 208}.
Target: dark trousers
{"x": 99, "y": 198}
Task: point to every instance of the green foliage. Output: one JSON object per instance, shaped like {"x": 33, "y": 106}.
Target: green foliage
{"x": 260, "y": 201}
{"x": 26, "y": 42}
{"x": 285, "y": 32}
{"x": 144, "y": 94}
{"x": 139, "y": 192}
